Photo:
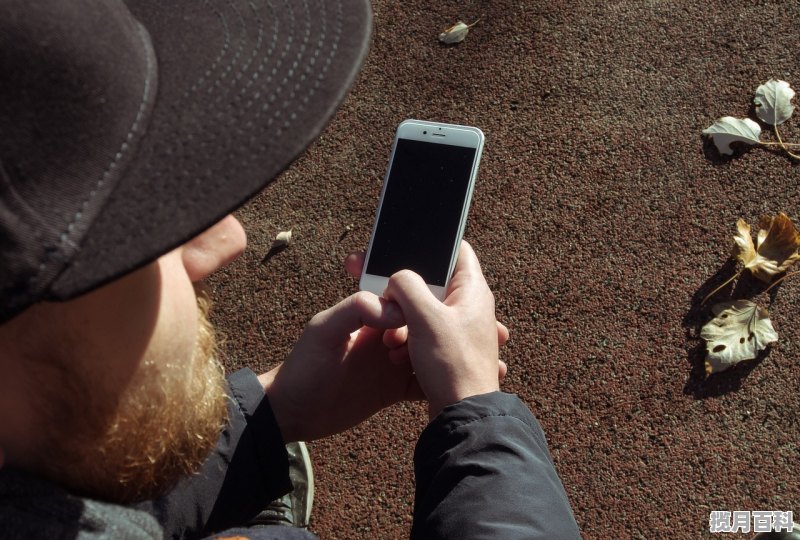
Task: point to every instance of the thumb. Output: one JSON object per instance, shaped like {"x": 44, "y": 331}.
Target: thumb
{"x": 410, "y": 291}
{"x": 335, "y": 324}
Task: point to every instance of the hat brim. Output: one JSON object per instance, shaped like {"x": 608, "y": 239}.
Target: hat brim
{"x": 243, "y": 88}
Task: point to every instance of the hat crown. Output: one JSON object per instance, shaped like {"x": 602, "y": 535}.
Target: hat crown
{"x": 77, "y": 80}
{"x": 86, "y": 196}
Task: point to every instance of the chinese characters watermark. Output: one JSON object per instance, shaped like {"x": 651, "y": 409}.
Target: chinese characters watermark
{"x": 745, "y": 521}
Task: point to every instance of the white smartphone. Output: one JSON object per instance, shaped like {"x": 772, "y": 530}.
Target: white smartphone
{"x": 423, "y": 206}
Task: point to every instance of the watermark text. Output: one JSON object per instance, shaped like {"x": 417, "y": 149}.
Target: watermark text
{"x": 746, "y": 521}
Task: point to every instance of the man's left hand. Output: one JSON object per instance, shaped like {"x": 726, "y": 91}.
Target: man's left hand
{"x": 339, "y": 372}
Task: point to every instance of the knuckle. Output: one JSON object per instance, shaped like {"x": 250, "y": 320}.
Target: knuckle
{"x": 405, "y": 274}
{"x": 360, "y": 300}
{"x": 323, "y": 317}
{"x": 317, "y": 320}
{"x": 401, "y": 277}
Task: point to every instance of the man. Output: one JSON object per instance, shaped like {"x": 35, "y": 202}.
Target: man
{"x": 128, "y": 132}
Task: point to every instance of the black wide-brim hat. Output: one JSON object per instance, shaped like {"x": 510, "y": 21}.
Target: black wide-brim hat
{"x": 128, "y": 128}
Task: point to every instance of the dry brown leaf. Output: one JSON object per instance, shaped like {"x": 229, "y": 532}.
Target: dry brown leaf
{"x": 776, "y": 246}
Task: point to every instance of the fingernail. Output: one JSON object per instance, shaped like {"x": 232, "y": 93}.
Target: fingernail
{"x": 393, "y": 312}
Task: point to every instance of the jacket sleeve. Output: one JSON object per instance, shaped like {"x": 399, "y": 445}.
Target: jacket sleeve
{"x": 483, "y": 471}
{"x": 248, "y": 468}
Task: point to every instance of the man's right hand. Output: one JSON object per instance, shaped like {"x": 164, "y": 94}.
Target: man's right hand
{"x": 453, "y": 346}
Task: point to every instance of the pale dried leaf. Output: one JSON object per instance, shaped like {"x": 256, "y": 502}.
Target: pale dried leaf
{"x": 776, "y": 248}
{"x": 728, "y": 130}
{"x": 739, "y": 330}
{"x": 281, "y": 243}
{"x": 284, "y": 238}
{"x": 455, "y": 33}
{"x": 773, "y": 102}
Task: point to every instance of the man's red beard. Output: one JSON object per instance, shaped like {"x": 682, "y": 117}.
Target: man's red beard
{"x": 161, "y": 428}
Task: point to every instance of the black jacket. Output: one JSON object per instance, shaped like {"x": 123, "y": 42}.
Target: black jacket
{"x": 482, "y": 470}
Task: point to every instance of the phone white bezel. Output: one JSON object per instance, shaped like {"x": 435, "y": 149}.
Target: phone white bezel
{"x": 434, "y": 133}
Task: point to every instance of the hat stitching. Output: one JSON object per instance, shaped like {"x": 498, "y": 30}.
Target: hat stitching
{"x": 284, "y": 83}
{"x": 220, "y": 55}
{"x": 307, "y": 66}
{"x": 239, "y": 112}
{"x": 229, "y": 67}
{"x": 246, "y": 66}
{"x": 146, "y": 94}
{"x": 308, "y": 69}
{"x": 260, "y": 69}
{"x": 263, "y": 147}
{"x": 260, "y": 149}
{"x": 227, "y": 112}
{"x": 311, "y": 91}
{"x": 178, "y": 141}
{"x": 256, "y": 48}
{"x": 265, "y": 106}
{"x": 320, "y": 76}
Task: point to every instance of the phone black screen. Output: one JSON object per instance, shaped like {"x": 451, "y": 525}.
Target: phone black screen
{"x": 421, "y": 212}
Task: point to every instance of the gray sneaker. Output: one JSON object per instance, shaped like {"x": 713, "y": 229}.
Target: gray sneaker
{"x": 294, "y": 508}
